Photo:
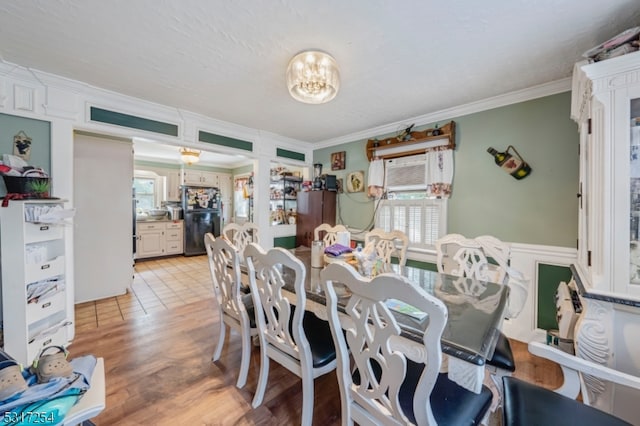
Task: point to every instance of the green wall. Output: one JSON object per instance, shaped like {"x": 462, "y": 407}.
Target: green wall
{"x": 549, "y": 277}
{"x": 242, "y": 170}
{"x": 540, "y": 209}
{"x": 355, "y": 209}
{"x": 138, "y": 163}
{"x": 40, "y": 133}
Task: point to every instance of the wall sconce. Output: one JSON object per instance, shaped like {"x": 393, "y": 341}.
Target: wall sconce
{"x": 513, "y": 164}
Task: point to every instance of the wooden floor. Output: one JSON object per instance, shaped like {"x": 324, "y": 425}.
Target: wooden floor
{"x": 157, "y": 343}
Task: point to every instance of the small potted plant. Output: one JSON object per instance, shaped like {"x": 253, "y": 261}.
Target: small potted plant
{"x": 39, "y": 187}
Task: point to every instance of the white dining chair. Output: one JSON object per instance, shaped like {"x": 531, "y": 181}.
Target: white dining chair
{"x": 328, "y": 233}
{"x": 527, "y": 404}
{"x": 290, "y": 336}
{"x": 387, "y": 245}
{"x": 470, "y": 257}
{"x": 392, "y": 383}
{"x": 236, "y": 309}
{"x": 241, "y": 235}
{"x": 500, "y": 253}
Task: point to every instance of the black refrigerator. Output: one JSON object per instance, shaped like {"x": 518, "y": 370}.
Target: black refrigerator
{"x": 201, "y": 210}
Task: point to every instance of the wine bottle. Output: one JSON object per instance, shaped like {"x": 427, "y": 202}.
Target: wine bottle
{"x": 499, "y": 157}
{"x": 511, "y": 164}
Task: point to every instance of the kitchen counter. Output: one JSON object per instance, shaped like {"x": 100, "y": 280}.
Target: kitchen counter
{"x": 157, "y": 220}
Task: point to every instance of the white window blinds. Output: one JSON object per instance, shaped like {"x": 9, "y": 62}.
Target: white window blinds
{"x": 423, "y": 220}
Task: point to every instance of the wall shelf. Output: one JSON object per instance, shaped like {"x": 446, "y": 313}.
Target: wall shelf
{"x": 413, "y": 146}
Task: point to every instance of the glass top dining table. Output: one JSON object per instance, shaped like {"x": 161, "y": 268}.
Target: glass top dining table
{"x": 475, "y": 309}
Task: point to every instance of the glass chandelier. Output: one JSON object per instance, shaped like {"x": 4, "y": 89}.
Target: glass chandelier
{"x": 313, "y": 77}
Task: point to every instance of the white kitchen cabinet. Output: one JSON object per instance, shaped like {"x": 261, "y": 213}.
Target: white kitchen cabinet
{"x": 173, "y": 185}
{"x": 205, "y": 178}
{"x": 200, "y": 178}
{"x": 159, "y": 239}
{"x": 150, "y": 241}
{"x": 33, "y": 256}
{"x": 174, "y": 238}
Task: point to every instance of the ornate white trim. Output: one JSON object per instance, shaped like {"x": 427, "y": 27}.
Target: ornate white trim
{"x": 23, "y": 98}
{"x": 593, "y": 343}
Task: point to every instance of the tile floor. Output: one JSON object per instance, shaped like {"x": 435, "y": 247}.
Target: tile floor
{"x": 158, "y": 285}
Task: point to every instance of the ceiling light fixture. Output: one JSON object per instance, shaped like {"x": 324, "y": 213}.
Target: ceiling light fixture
{"x": 313, "y": 77}
{"x": 189, "y": 155}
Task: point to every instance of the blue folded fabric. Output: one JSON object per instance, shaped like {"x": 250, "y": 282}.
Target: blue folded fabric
{"x": 76, "y": 384}
{"x": 337, "y": 250}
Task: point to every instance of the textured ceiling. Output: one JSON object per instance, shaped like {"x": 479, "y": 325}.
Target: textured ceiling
{"x": 227, "y": 59}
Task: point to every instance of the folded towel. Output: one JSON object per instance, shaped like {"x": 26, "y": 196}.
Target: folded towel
{"x": 337, "y": 250}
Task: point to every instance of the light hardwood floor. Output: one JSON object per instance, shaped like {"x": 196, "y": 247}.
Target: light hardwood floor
{"x": 157, "y": 342}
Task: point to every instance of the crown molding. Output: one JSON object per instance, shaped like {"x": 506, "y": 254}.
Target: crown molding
{"x": 511, "y": 98}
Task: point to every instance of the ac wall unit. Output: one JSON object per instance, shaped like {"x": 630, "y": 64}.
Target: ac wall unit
{"x": 406, "y": 173}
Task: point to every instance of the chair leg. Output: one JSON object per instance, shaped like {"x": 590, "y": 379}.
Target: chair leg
{"x": 307, "y": 400}
{"x": 246, "y": 356}
{"x": 218, "y": 350}
{"x": 495, "y": 385}
{"x": 264, "y": 375}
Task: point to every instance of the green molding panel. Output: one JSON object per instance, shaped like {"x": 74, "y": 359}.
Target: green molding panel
{"x": 549, "y": 277}
{"x": 224, "y": 141}
{"x": 285, "y": 153}
{"x": 126, "y": 120}
{"x": 285, "y": 242}
{"x": 422, "y": 265}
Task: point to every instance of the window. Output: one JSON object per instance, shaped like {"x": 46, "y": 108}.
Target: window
{"x": 149, "y": 190}
{"x": 422, "y": 219}
{"x": 145, "y": 193}
{"x": 241, "y": 199}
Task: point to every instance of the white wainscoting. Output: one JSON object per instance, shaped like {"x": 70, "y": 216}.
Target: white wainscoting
{"x": 526, "y": 258}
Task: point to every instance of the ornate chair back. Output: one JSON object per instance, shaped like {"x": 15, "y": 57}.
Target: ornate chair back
{"x": 368, "y": 332}
{"x": 241, "y": 235}
{"x": 236, "y": 309}
{"x": 329, "y": 233}
{"x": 388, "y": 244}
{"x": 297, "y": 340}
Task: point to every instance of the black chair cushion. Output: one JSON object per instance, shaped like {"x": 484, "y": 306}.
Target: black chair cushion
{"x": 318, "y": 333}
{"x": 451, "y": 403}
{"x": 248, "y": 305}
{"x": 503, "y": 355}
{"x": 528, "y": 404}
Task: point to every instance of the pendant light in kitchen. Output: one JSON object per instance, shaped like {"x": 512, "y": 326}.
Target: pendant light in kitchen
{"x": 189, "y": 156}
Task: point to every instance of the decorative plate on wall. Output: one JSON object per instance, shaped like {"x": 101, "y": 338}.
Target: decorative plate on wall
{"x": 355, "y": 181}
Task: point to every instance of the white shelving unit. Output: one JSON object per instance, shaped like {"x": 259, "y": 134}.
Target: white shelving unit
{"x": 33, "y": 254}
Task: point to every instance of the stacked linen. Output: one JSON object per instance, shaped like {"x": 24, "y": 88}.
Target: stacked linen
{"x": 336, "y": 252}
